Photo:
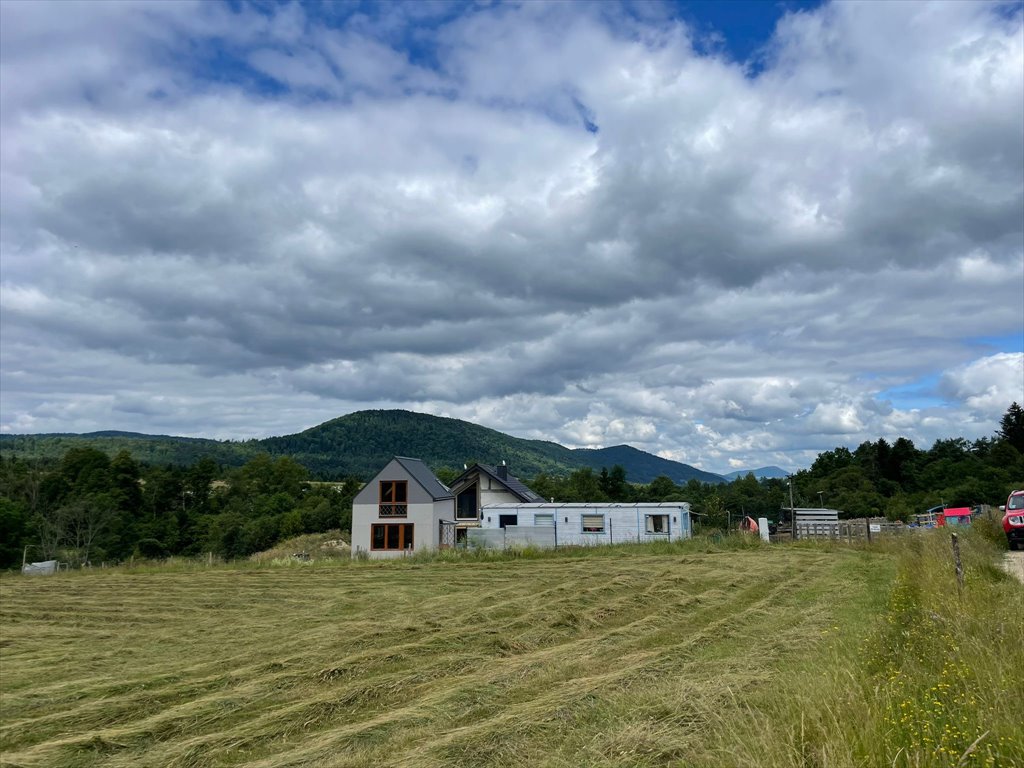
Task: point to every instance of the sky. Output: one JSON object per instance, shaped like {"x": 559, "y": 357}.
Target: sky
{"x": 731, "y": 234}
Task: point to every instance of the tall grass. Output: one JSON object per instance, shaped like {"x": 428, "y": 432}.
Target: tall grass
{"x": 936, "y": 681}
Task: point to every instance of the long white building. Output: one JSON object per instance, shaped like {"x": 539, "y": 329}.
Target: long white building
{"x": 587, "y": 524}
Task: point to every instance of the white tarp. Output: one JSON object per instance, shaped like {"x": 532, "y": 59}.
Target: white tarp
{"x": 45, "y": 568}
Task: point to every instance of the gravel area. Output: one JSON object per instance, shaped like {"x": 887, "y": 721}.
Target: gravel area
{"x": 1014, "y": 564}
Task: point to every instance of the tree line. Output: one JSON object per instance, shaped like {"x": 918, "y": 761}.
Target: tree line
{"x": 876, "y": 479}
{"x": 88, "y": 507}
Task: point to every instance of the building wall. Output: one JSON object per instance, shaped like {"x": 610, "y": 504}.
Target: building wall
{"x": 393, "y": 470}
{"x": 621, "y": 522}
{"x": 495, "y": 495}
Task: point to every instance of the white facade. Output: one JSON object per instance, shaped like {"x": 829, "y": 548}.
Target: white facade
{"x": 567, "y": 524}
{"x": 400, "y": 511}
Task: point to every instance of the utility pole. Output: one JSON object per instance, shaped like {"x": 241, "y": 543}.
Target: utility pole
{"x": 792, "y": 509}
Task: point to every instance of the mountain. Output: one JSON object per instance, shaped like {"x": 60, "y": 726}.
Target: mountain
{"x": 362, "y": 442}
{"x": 772, "y": 473}
{"x": 639, "y": 463}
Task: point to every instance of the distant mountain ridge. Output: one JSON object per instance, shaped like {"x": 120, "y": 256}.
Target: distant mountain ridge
{"x": 361, "y": 443}
{"x": 771, "y": 473}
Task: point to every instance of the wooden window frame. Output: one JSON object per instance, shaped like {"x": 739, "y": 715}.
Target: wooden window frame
{"x": 476, "y": 504}
{"x": 393, "y": 508}
{"x": 406, "y": 536}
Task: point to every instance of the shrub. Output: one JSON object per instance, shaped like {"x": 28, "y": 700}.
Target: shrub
{"x": 151, "y": 549}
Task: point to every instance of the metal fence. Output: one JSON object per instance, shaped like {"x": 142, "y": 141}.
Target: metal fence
{"x": 516, "y": 536}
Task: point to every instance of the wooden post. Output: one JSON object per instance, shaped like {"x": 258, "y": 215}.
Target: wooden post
{"x": 959, "y": 565}
{"x": 867, "y": 527}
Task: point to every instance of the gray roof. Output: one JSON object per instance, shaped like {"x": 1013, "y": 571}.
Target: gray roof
{"x": 514, "y": 485}
{"x": 421, "y": 473}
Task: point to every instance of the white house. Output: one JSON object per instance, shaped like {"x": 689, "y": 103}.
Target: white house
{"x": 572, "y": 523}
{"x": 402, "y": 509}
{"x": 482, "y": 485}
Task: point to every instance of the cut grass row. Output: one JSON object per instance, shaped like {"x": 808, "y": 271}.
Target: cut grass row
{"x": 684, "y": 655}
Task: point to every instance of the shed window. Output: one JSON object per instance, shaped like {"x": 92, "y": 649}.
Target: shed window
{"x": 657, "y": 523}
{"x": 593, "y": 523}
{"x": 394, "y": 537}
{"x": 547, "y": 520}
{"x": 394, "y": 495}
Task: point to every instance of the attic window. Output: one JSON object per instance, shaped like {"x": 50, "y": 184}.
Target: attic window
{"x": 394, "y": 495}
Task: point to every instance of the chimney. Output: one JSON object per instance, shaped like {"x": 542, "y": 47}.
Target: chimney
{"x": 503, "y": 470}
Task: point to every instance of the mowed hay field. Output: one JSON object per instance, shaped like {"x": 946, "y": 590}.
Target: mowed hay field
{"x": 632, "y": 658}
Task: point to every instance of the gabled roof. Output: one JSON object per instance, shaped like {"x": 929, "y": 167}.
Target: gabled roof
{"x": 514, "y": 485}
{"x": 421, "y": 473}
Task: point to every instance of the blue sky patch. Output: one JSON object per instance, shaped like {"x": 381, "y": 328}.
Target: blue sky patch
{"x": 921, "y": 393}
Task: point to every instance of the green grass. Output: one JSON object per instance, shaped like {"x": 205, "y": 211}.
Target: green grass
{"x": 708, "y": 653}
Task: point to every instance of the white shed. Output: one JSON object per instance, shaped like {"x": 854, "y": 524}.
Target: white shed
{"x": 577, "y": 523}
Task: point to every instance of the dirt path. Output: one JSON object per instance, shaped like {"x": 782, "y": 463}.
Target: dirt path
{"x": 1013, "y": 562}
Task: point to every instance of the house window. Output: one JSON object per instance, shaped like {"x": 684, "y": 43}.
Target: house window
{"x": 396, "y": 536}
{"x": 393, "y": 498}
{"x": 465, "y": 505}
{"x": 547, "y": 520}
{"x": 657, "y": 523}
{"x": 593, "y": 523}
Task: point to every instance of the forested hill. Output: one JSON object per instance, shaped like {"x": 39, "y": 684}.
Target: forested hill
{"x": 363, "y": 442}
{"x": 156, "y": 450}
{"x": 360, "y": 443}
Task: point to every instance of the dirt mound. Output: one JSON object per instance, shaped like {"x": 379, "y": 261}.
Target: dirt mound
{"x": 330, "y": 545}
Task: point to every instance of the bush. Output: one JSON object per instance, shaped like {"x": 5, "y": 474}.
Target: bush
{"x": 990, "y": 529}
{"x": 151, "y": 549}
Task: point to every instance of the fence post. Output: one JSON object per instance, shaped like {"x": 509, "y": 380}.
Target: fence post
{"x": 867, "y": 527}
{"x": 959, "y": 565}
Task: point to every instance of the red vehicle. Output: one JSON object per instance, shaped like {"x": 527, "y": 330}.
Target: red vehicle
{"x": 1013, "y": 520}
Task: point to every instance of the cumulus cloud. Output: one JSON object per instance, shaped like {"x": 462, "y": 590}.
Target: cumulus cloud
{"x": 565, "y": 221}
